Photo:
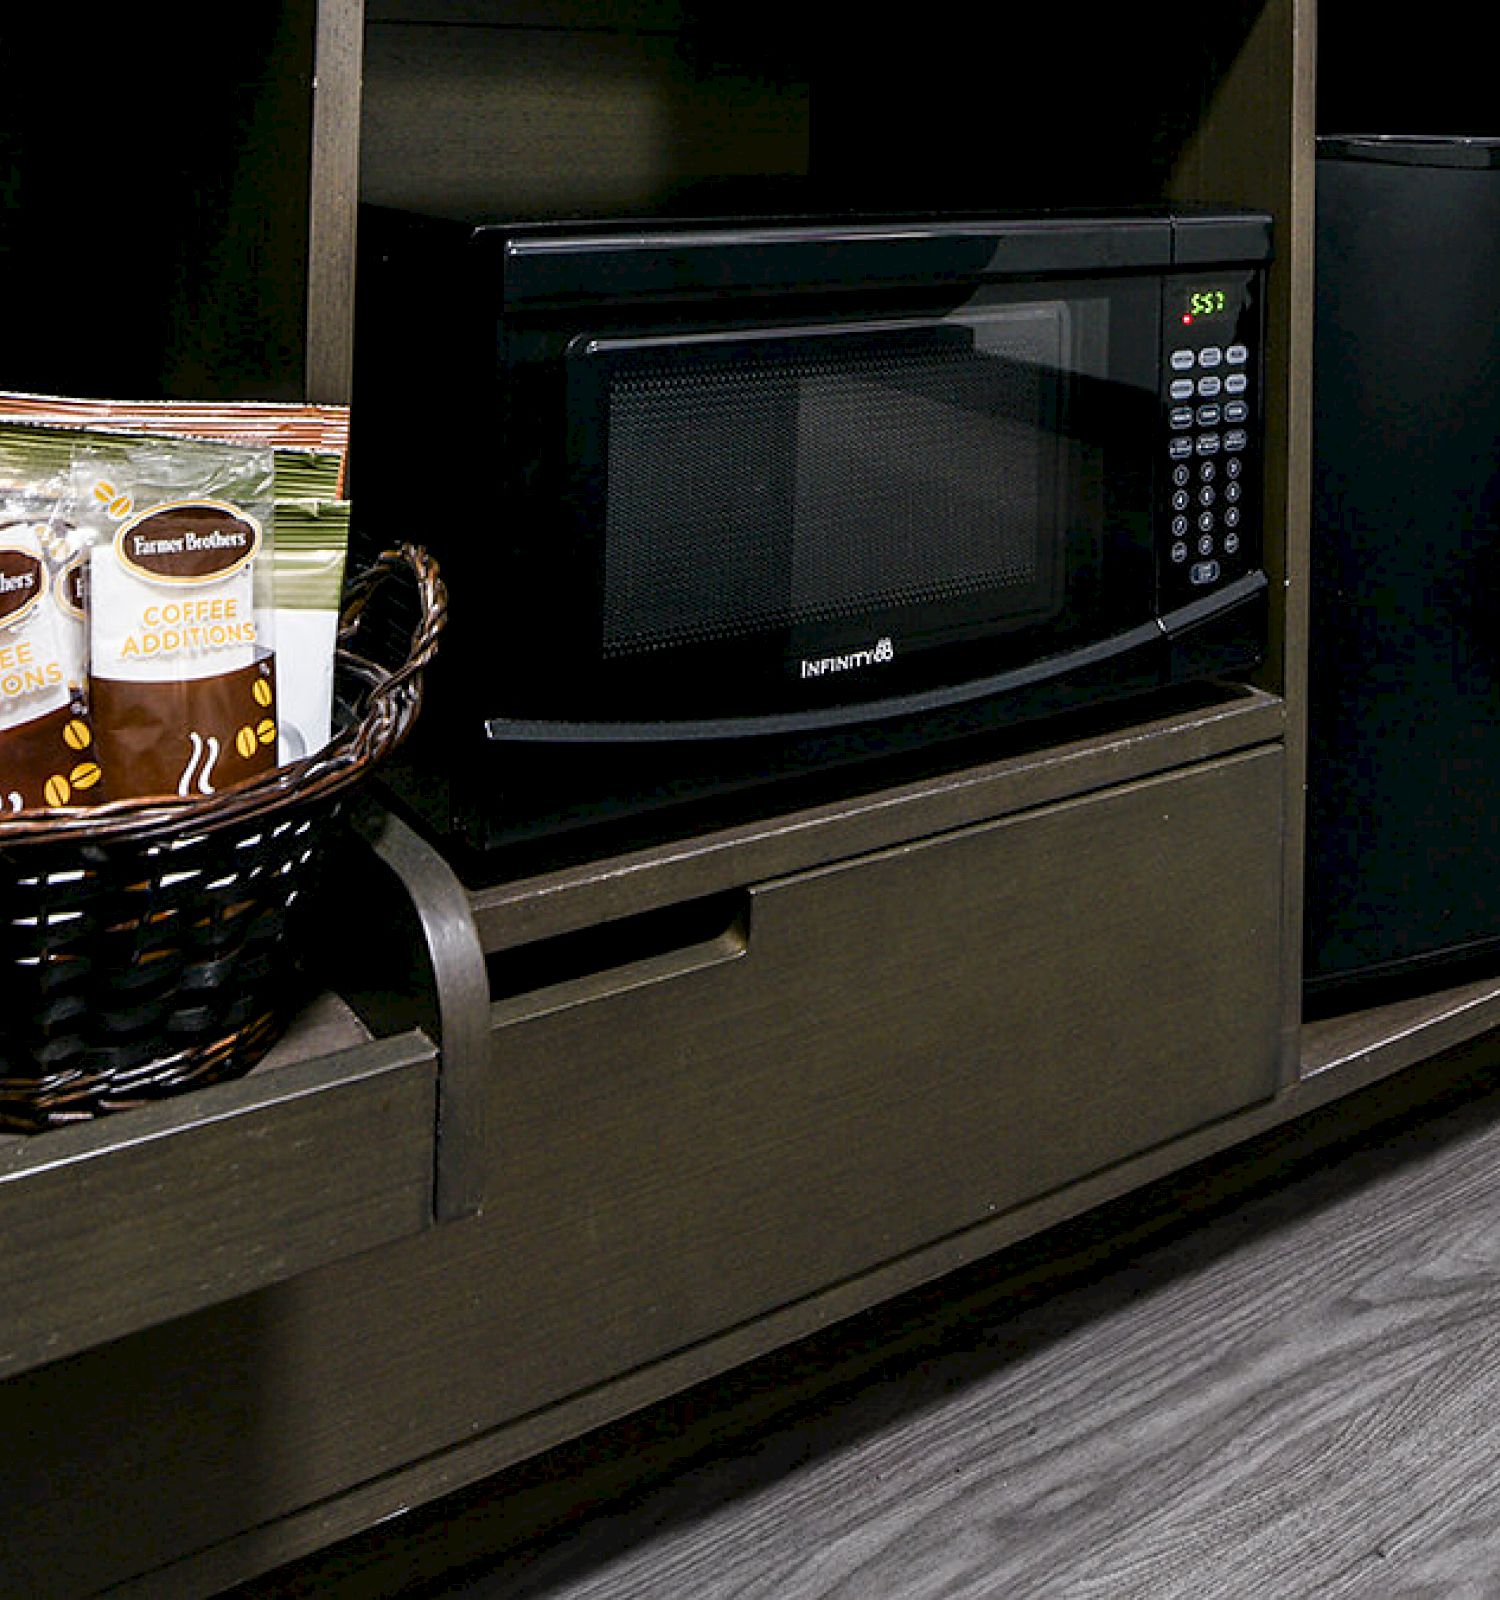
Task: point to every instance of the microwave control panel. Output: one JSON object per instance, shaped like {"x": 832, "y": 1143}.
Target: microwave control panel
{"x": 1208, "y": 513}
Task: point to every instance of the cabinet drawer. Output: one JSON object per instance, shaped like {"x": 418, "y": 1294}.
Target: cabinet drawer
{"x": 879, "y": 1053}
{"x": 112, "y": 1226}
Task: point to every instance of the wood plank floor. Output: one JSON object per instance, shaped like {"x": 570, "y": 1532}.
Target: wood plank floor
{"x": 1274, "y": 1376}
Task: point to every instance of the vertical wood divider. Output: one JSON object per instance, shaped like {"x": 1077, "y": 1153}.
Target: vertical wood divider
{"x": 461, "y": 983}
{"x": 333, "y": 199}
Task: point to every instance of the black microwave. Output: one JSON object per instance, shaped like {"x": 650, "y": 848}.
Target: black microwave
{"x": 722, "y": 505}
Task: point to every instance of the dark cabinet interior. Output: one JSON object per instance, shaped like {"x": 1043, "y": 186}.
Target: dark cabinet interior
{"x": 156, "y": 223}
{"x": 665, "y": 105}
{"x": 1412, "y": 74}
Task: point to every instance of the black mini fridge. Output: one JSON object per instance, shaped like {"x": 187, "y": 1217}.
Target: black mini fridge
{"x": 1403, "y": 783}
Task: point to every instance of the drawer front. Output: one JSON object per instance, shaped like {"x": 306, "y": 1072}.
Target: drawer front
{"x": 147, "y": 1215}
{"x": 880, "y": 1053}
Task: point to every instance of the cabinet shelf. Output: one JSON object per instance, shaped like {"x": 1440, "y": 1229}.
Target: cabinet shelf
{"x": 114, "y": 1225}
{"x": 1361, "y": 1046}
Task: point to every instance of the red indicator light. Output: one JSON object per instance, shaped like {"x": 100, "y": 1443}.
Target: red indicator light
{"x": 1187, "y": 319}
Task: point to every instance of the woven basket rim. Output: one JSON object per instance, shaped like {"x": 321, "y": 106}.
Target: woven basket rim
{"x": 389, "y": 703}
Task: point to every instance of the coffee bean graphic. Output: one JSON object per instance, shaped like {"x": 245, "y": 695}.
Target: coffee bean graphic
{"x": 85, "y": 775}
{"x": 77, "y": 735}
{"x": 57, "y": 790}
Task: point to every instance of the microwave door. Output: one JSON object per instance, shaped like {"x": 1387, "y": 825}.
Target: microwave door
{"x": 923, "y": 495}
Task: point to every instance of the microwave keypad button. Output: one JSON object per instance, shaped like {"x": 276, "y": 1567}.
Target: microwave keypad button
{"x": 1207, "y": 413}
{"x": 1207, "y": 408}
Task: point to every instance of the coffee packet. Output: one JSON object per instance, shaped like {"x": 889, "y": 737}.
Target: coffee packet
{"x": 46, "y": 743}
{"x": 312, "y": 543}
{"x": 182, "y": 681}
{"x": 66, "y": 548}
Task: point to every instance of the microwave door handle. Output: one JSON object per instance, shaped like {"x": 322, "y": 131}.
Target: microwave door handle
{"x": 514, "y": 730}
{"x": 1196, "y": 612}
{"x": 510, "y": 730}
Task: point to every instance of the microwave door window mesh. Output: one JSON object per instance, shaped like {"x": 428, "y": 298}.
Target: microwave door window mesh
{"x": 777, "y": 483}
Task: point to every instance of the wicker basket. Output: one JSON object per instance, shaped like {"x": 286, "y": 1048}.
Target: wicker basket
{"x": 148, "y": 946}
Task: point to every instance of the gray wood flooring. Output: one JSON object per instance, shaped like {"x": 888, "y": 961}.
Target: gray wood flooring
{"x": 1277, "y": 1376}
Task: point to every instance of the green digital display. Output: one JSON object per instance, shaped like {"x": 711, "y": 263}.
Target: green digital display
{"x": 1201, "y": 303}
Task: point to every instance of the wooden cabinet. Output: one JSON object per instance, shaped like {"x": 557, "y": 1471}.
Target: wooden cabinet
{"x": 852, "y": 1067}
{"x": 609, "y": 1129}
